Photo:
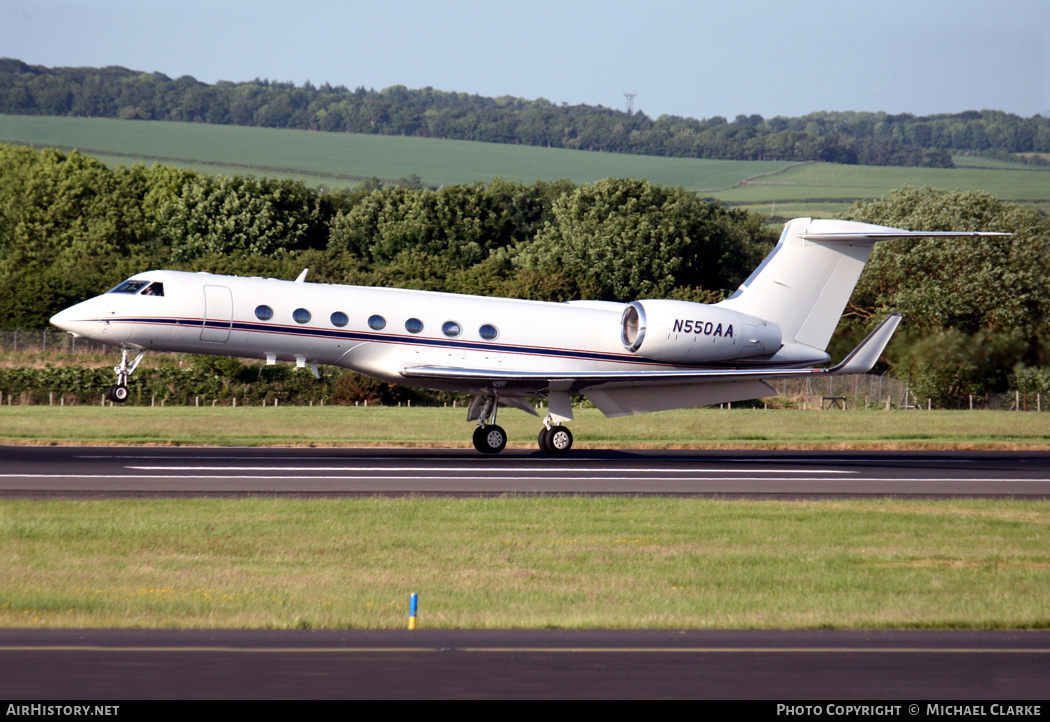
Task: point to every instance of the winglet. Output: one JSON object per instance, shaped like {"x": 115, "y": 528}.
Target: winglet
{"x": 863, "y": 358}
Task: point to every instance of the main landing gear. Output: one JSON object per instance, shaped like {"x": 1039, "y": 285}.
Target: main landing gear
{"x": 118, "y": 392}
{"x": 490, "y": 438}
{"x": 555, "y": 440}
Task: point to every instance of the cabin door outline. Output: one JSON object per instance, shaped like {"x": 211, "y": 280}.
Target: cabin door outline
{"x": 218, "y": 314}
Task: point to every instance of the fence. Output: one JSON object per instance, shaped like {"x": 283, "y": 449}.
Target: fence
{"x": 860, "y": 390}
{"x": 49, "y": 341}
{"x": 873, "y": 391}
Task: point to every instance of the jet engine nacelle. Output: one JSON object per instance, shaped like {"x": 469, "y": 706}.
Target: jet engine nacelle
{"x": 694, "y": 333}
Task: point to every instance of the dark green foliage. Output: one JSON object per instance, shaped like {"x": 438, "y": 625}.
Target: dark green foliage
{"x": 968, "y": 284}
{"x": 626, "y": 239}
{"x": 454, "y": 239}
{"x": 69, "y": 227}
{"x": 219, "y": 215}
{"x": 974, "y": 307}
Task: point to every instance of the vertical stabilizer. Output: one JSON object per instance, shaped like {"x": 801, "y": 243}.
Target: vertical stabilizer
{"x": 804, "y": 284}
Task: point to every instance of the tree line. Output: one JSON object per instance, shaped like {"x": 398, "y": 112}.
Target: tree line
{"x": 840, "y": 137}
{"x": 976, "y": 310}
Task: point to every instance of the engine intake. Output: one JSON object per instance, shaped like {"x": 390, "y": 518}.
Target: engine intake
{"x": 694, "y": 333}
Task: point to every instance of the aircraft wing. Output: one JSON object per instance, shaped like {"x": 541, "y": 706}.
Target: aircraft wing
{"x": 614, "y": 392}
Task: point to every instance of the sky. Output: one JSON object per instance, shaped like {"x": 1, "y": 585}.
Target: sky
{"x": 696, "y": 58}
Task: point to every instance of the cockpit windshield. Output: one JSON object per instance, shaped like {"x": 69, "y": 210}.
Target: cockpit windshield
{"x": 129, "y": 287}
{"x": 132, "y": 287}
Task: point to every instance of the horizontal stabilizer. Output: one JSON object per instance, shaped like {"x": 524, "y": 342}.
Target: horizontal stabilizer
{"x": 861, "y": 237}
{"x": 863, "y": 358}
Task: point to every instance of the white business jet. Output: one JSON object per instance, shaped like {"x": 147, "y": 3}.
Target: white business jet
{"x": 627, "y": 358}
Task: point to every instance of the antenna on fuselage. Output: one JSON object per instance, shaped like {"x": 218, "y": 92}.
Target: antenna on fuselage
{"x": 302, "y": 276}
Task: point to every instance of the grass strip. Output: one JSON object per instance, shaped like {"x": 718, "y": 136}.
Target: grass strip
{"x": 515, "y": 562}
{"x": 446, "y": 427}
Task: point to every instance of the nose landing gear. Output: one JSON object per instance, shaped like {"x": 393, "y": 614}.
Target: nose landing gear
{"x": 118, "y": 392}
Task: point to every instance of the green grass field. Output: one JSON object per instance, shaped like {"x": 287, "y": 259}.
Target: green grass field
{"x": 525, "y": 562}
{"x": 447, "y": 427}
{"x": 340, "y": 159}
{"x": 834, "y": 187}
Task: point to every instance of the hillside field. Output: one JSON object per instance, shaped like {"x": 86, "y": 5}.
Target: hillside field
{"x": 341, "y": 160}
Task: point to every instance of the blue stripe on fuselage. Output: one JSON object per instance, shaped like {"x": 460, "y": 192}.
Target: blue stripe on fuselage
{"x": 375, "y": 337}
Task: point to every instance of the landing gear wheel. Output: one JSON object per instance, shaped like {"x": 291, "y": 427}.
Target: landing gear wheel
{"x": 118, "y": 393}
{"x": 490, "y": 439}
{"x": 545, "y": 440}
{"x": 556, "y": 440}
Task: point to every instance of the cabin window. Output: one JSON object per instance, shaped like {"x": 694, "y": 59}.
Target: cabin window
{"x": 451, "y": 328}
{"x": 301, "y": 315}
{"x": 413, "y": 325}
{"x": 488, "y": 332}
{"x": 376, "y": 323}
{"x": 129, "y": 287}
{"x": 263, "y": 313}
{"x": 154, "y": 289}
{"x": 340, "y": 319}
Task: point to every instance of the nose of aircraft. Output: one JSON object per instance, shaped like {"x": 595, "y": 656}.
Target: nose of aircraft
{"x": 63, "y": 319}
{"x": 76, "y": 319}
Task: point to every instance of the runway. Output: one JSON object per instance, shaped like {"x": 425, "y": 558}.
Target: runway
{"x": 817, "y": 666}
{"x": 40, "y": 471}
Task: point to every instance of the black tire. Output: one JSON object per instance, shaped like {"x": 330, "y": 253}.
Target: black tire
{"x": 560, "y": 440}
{"x": 556, "y": 440}
{"x": 117, "y": 393}
{"x": 490, "y": 439}
{"x": 545, "y": 441}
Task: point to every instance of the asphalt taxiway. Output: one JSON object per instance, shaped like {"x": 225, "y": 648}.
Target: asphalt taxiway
{"x": 524, "y": 664}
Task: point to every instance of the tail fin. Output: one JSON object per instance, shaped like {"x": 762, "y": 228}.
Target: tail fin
{"x": 804, "y": 284}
